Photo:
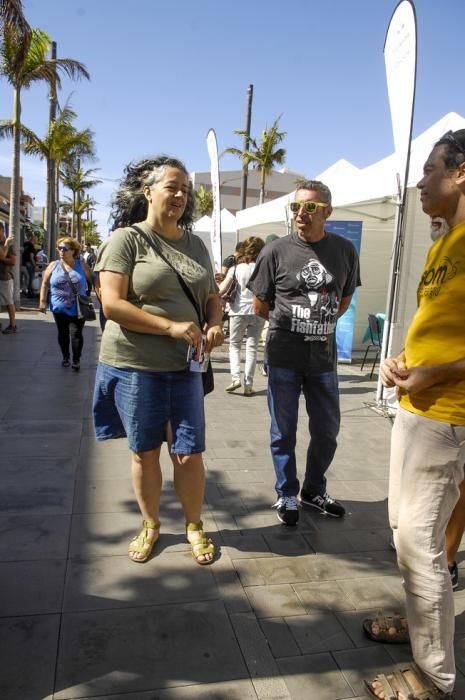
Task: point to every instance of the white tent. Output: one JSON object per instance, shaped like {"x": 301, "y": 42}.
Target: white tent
{"x": 369, "y": 195}
{"x": 202, "y": 229}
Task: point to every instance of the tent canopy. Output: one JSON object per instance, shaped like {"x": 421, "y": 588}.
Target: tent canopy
{"x": 351, "y": 185}
{"x": 202, "y": 229}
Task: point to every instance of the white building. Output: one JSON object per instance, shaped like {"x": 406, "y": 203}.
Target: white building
{"x": 278, "y": 183}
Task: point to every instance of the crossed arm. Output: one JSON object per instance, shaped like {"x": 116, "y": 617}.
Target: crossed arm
{"x": 411, "y": 380}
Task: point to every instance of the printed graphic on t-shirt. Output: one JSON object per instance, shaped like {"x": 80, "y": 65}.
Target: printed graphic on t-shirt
{"x": 436, "y": 276}
{"x": 63, "y": 290}
{"x": 316, "y": 319}
{"x": 187, "y": 267}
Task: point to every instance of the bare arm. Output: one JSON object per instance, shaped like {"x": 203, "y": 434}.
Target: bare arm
{"x": 87, "y": 273}
{"x": 261, "y": 308}
{"x": 344, "y": 305}
{"x": 214, "y": 313}
{"x": 114, "y": 291}
{"x": 44, "y": 287}
{"x": 4, "y": 257}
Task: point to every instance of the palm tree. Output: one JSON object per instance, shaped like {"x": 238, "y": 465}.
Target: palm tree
{"x": 21, "y": 71}
{"x": 203, "y": 201}
{"x": 11, "y": 14}
{"x": 262, "y": 156}
{"x": 77, "y": 180}
{"x": 63, "y": 141}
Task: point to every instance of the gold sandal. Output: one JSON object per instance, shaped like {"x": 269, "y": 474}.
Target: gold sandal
{"x": 142, "y": 543}
{"x": 202, "y": 545}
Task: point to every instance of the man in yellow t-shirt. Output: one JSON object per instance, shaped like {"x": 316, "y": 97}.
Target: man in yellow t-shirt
{"x": 428, "y": 437}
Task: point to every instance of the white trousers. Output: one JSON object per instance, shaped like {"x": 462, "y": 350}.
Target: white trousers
{"x": 427, "y": 467}
{"x": 238, "y": 325}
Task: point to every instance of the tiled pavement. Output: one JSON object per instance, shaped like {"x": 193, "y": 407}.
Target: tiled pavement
{"x": 277, "y": 616}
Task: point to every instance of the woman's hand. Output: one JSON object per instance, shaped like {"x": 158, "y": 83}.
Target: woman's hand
{"x": 215, "y": 337}
{"x": 186, "y": 330}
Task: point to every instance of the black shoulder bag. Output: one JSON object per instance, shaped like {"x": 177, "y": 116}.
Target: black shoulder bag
{"x": 85, "y": 307}
{"x": 207, "y": 376}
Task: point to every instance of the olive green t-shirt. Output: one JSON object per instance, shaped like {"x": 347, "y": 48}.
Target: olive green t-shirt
{"x": 155, "y": 288}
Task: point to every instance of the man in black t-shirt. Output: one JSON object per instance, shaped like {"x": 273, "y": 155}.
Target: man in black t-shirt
{"x": 303, "y": 283}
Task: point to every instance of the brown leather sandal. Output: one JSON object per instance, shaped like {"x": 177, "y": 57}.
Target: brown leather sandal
{"x": 394, "y": 683}
{"x": 392, "y": 630}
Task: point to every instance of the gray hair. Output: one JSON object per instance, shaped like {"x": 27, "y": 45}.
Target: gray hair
{"x": 129, "y": 205}
{"x": 315, "y": 186}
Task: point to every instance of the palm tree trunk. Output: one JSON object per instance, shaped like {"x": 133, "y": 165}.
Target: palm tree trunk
{"x": 15, "y": 192}
{"x": 262, "y": 186}
{"x": 56, "y": 223}
{"x": 50, "y": 209}
{"x": 73, "y": 215}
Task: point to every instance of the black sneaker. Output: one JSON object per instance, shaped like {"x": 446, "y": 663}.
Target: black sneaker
{"x": 9, "y": 329}
{"x": 324, "y": 503}
{"x": 454, "y": 575}
{"x": 287, "y": 510}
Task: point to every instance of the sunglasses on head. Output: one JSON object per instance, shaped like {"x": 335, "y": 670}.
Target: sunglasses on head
{"x": 449, "y": 136}
{"x": 309, "y": 207}
{"x": 64, "y": 248}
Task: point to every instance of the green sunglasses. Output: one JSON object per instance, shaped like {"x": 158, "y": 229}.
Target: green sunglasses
{"x": 309, "y": 207}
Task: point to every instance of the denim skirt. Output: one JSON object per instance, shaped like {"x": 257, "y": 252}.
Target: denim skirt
{"x": 139, "y": 404}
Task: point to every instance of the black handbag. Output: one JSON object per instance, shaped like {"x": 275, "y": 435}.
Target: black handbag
{"x": 85, "y": 307}
{"x": 207, "y": 376}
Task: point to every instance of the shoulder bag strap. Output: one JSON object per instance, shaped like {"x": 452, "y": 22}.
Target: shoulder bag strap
{"x": 182, "y": 282}
{"x": 68, "y": 279}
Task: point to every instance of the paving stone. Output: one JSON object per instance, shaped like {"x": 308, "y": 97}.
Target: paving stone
{"x": 322, "y": 596}
{"x": 21, "y": 496}
{"x": 349, "y": 541}
{"x": 35, "y": 639}
{"x": 278, "y": 635}
{"x": 274, "y": 601}
{"x": 381, "y": 592}
{"x": 31, "y": 587}
{"x": 318, "y": 631}
{"x": 284, "y": 570}
{"x": 287, "y": 543}
{"x": 29, "y": 536}
{"x": 169, "y": 646}
{"x": 245, "y": 546}
{"x": 234, "y": 690}
{"x": 260, "y": 662}
{"x": 40, "y": 470}
{"x": 358, "y": 665}
{"x": 314, "y": 676}
{"x": 116, "y": 582}
{"x": 95, "y": 496}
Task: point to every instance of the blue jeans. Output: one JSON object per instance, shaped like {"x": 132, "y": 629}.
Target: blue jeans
{"x": 139, "y": 404}
{"x": 322, "y": 403}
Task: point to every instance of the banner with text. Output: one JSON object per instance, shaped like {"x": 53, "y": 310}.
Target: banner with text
{"x": 352, "y": 230}
{"x": 216, "y": 213}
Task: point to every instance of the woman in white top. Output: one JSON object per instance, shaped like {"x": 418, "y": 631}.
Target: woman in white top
{"x": 242, "y": 318}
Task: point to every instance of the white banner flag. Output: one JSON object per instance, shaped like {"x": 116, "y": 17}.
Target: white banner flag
{"x": 216, "y": 214}
{"x": 400, "y": 58}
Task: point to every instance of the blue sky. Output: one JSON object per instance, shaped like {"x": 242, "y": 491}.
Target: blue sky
{"x": 164, "y": 72}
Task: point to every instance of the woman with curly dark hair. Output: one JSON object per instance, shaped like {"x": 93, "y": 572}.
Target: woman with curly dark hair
{"x": 145, "y": 386}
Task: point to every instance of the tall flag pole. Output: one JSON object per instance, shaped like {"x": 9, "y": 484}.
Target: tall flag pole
{"x": 215, "y": 233}
{"x": 400, "y": 58}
